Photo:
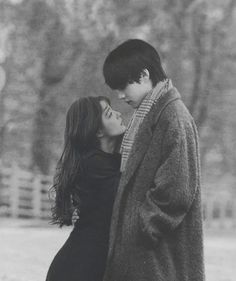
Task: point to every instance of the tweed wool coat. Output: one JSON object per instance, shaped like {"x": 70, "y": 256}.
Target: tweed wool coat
{"x": 156, "y": 230}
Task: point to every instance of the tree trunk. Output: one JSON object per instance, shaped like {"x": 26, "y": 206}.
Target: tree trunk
{"x": 43, "y": 133}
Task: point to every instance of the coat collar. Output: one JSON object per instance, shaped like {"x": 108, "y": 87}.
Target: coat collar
{"x": 144, "y": 134}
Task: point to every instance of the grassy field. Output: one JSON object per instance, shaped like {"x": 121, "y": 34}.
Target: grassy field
{"x": 26, "y": 250}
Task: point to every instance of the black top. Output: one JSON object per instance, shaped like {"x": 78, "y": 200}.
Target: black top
{"x": 97, "y": 188}
{"x": 83, "y": 256}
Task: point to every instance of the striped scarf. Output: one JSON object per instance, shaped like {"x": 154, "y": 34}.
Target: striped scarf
{"x": 137, "y": 118}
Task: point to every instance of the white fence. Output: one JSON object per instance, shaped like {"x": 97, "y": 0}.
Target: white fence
{"x": 219, "y": 209}
{"x": 24, "y": 194}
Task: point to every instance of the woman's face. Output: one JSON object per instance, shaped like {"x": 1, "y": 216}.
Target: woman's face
{"x": 111, "y": 121}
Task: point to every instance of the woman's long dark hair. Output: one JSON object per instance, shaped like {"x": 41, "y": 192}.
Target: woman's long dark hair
{"x": 83, "y": 121}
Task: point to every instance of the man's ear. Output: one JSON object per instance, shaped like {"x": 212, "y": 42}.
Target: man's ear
{"x": 145, "y": 75}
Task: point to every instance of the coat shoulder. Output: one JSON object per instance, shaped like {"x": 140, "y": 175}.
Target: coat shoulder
{"x": 176, "y": 114}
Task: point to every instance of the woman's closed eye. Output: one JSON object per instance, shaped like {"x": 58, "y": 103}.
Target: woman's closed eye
{"x": 108, "y": 112}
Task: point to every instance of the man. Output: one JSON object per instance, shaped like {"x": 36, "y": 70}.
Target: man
{"x": 156, "y": 230}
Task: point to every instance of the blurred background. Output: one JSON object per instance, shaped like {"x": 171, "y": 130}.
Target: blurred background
{"x": 52, "y": 52}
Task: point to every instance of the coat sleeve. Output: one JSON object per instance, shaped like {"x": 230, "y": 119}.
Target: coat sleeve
{"x": 176, "y": 181}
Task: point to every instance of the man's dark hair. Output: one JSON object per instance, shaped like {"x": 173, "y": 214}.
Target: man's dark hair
{"x": 126, "y": 63}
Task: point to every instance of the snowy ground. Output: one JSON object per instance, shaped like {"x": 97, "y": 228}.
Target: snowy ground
{"x": 26, "y": 250}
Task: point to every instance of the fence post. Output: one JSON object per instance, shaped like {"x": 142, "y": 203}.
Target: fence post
{"x": 15, "y": 191}
{"x": 37, "y": 196}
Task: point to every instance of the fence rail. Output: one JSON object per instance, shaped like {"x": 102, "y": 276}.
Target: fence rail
{"x": 25, "y": 194}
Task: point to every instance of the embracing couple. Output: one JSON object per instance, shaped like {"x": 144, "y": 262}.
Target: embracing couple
{"x": 137, "y": 189}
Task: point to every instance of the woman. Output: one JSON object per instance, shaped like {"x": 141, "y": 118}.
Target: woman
{"x": 88, "y": 174}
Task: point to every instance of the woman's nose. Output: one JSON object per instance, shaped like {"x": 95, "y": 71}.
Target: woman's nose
{"x": 121, "y": 96}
